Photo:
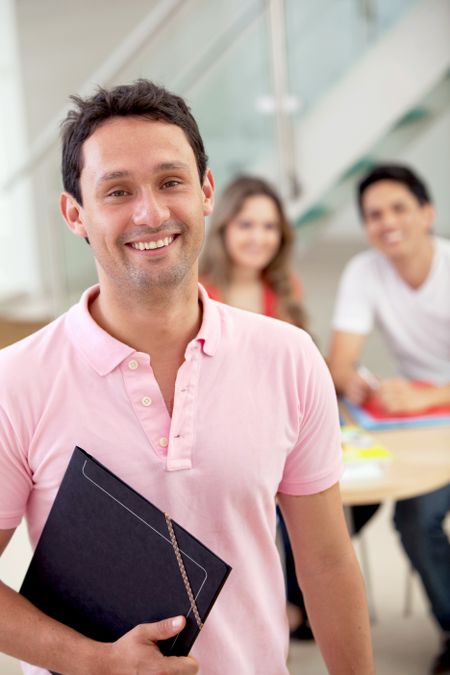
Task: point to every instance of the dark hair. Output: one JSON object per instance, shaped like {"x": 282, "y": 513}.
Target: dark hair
{"x": 141, "y": 99}
{"x": 215, "y": 262}
{"x": 400, "y": 174}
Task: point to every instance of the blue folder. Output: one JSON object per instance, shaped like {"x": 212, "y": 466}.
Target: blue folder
{"x": 364, "y": 419}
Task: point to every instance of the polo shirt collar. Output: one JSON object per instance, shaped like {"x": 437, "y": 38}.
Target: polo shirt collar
{"x": 104, "y": 352}
{"x": 100, "y": 349}
{"x": 210, "y": 330}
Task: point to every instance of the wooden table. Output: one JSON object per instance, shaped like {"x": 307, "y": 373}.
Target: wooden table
{"x": 420, "y": 463}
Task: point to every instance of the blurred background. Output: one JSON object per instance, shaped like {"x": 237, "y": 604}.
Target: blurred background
{"x": 308, "y": 93}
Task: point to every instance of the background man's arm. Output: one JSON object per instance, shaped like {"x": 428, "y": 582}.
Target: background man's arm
{"x": 399, "y": 395}
{"x": 344, "y": 354}
{"x": 331, "y": 581}
{"x": 396, "y": 394}
{"x": 28, "y": 634}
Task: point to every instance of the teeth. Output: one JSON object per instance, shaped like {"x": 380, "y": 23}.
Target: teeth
{"x": 147, "y": 245}
{"x": 393, "y": 237}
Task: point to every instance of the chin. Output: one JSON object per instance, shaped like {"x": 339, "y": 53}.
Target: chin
{"x": 256, "y": 265}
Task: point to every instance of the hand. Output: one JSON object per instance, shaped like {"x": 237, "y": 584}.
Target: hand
{"x": 136, "y": 652}
{"x": 356, "y": 389}
{"x": 399, "y": 395}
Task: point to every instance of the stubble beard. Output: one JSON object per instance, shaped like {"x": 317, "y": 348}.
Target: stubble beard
{"x": 144, "y": 281}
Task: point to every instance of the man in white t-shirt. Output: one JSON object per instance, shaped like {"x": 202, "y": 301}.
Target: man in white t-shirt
{"x": 403, "y": 285}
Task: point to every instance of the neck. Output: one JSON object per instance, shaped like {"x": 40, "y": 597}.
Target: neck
{"x": 244, "y": 275}
{"x": 156, "y": 322}
{"x": 415, "y": 268}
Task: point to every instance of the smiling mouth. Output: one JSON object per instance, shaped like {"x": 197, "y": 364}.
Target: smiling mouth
{"x": 150, "y": 245}
{"x": 392, "y": 237}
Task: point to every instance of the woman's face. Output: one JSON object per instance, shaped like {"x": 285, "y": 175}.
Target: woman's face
{"x": 252, "y": 237}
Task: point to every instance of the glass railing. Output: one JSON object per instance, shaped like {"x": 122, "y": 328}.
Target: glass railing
{"x": 325, "y": 38}
{"x": 217, "y": 55}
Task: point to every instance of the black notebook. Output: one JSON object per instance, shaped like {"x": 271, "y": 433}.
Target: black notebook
{"x": 106, "y": 561}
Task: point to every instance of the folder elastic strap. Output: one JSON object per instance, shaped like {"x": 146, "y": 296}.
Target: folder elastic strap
{"x": 183, "y": 572}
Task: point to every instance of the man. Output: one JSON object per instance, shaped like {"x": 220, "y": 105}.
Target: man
{"x": 206, "y": 410}
{"x": 404, "y": 285}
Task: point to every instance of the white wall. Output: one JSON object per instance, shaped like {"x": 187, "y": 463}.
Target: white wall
{"x": 429, "y": 154}
{"x": 18, "y": 262}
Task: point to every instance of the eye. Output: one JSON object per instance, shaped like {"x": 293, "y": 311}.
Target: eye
{"x": 117, "y": 193}
{"x": 373, "y": 215}
{"x": 271, "y": 227}
{"x": 173, "y": 182}
{"x": 244, "y": 224}
{"x": 399, "y": 208}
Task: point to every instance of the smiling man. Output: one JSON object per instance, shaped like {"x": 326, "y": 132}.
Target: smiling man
{"x": 208, "y": 411}
{"x": 403, "y": 285}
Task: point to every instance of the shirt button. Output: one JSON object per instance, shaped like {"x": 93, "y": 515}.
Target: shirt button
{"x": 147, "y": 401}
{"x": 164, "y": 442}
{"x": 133, "y": 364}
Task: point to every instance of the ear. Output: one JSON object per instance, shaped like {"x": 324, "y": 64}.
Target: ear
{"x": 429, "y": 215}
{"x": 208, "y": 192}
{"x": 72, "y": 213}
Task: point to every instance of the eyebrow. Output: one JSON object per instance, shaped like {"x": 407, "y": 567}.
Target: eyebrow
{"x": 112, "y": 175}
{"x": 164, "y": 166}
{"x": 172, "y": 166}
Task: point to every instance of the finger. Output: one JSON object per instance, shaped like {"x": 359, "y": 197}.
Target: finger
{"x": 161, "y": 630}
{"x": 181, "y": 665}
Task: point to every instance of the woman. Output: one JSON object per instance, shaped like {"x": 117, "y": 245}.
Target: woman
{"x": 247, "y": 263}
{"x": 247, "y": 257}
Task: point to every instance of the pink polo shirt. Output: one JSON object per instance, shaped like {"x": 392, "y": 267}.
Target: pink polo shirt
{"x": 254, "y": 414}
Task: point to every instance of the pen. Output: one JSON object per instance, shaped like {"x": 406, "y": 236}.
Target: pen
{"x": 368, "y": 377}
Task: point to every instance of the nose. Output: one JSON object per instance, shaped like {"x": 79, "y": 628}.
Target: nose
{"x": 260, "y": 235}
{"x": 150, "y": 209}
{"x": 389, "y": 218}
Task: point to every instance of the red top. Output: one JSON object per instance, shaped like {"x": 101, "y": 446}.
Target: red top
{"x": 269, "y": 296}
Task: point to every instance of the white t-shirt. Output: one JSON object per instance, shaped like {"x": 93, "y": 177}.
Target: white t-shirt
{"x": 415, "y": 322}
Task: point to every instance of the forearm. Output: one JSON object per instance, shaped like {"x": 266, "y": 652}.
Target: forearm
{"x": 342, "y": 375}
{"x": 343, "y": 358}
{"x": 337, "y": 608}
{"x": 400, "y": 395}
{"x": 28, "y": 634}
{"x": 439, "y": 395}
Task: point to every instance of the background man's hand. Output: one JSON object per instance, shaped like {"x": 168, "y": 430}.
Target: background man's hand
{"x": 356, "y": 389}
{"x": 136, "y": 652}
{"x": 399, "y": 395}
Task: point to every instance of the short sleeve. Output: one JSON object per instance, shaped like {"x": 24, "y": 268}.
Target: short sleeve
{"x": 315, "y": 462}
{"x": 15, "y": 476}
{"x": 354, "y": 308}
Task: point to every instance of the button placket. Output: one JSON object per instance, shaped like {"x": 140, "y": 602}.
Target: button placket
{"x": 180, "y": 449}
{"x": 147, "y": 401}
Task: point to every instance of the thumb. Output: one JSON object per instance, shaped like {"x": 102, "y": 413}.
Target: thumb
{"x": 162, "y": 630}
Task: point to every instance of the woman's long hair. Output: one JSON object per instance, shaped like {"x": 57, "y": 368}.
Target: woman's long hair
{"x": 216, "y": 265}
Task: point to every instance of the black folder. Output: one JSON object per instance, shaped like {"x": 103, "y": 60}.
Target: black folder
{"x": 105, "y": 561}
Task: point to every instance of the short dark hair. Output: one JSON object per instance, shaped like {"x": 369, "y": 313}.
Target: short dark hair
{"x": 400, "y": 174}
{"x": 141, "y": 99}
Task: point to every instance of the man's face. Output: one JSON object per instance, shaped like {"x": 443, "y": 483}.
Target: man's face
{"x": 143, "y": 204}
{"x": 396, "y": 223}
